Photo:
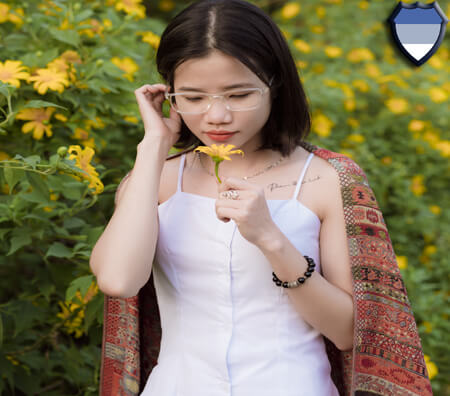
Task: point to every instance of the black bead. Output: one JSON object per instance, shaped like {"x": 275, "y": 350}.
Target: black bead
{"x": 285, "y": 285}
{"x": 311, "y": 269}
{"x": 308, "y": 274}
{"x": 301, "y": 280}
{"x": 278, "y": 283}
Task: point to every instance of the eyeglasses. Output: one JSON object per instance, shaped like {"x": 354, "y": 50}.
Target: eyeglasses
{"x": 198, "y": 103}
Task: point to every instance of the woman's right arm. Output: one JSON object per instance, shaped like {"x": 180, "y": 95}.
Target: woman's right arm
{"x": 122, "y": 257}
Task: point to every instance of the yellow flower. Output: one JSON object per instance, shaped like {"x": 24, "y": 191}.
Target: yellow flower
{"x": 416, "y": 125}
{"x": 151, "y": 38}
{"x": 131, "y": 119}
{"x": 49, "y": 79}
{"x": 4, "y": 12}
{"x": 126, "y": 64}
{"x": 4, "y": 156}
{"x": 386, "y": 160}
{"x": 402, "y": 262}
{"x": 290, "y": 10}
{"x": 364, "y": 5}
{"x": 360, "y": 54}
{"x": 97, "y": 124}
{"x": 361, "y": 85}
{"x": 322, "y": 125}
{"x": 39, "y": 121}
{"x": 82, "y": 160}
{"x": 131, "y": 7}
{"x": 429, "y": 250}
{"x": 333, "y": 52}
{"x": 16, "y": 17}
{"x": 428, "y": 327}
{"x": 397, "y": 105}
{"x": 60, "y": 117}
{"x": 318, "y": 68}
{"x": 349, "y": 104}
{"x": 435, "y": 209}
{"x": 431, "y": 137}
{"x": 321, "y": 11}
{"x": 95, "y": 27}
{"x": 80, "y": 134}
{"x": 372, "y": 70}
{"x": 71, "y": 57}
{"x": 353, "y": 122}
{"x": 437, "y": 95}
{"x": 444, "y": 147}
{"x": 301, "y": 65}
{"x": 166, "y": 5}
{"x": 348, "y": 154}
{"x": 302, "y": 46}
{"x": 218, "y": 154}
{"x": 417, "y": 186}
{"x": 436, "y": 62}
{"x": 13, "y": 71}
{"x": 431, "y": 367}
{"x": 356, "y": 138}
{"x": 317, "y": 29}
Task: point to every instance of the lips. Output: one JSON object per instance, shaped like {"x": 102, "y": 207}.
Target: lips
{"x": 220, "y": 132}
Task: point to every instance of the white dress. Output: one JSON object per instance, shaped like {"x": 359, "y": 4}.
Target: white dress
{"x": 227, "y": 329}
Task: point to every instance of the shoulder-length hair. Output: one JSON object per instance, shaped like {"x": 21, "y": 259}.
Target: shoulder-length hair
{"x": 242, "y": 30}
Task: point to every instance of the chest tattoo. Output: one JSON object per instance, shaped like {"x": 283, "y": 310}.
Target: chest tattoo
{"x": 273, "y": 186}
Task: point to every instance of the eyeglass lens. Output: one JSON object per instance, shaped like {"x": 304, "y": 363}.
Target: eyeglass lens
{"x": 199, "y": 102}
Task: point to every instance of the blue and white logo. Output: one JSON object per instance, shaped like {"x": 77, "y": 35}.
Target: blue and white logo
{"x": 418, "y": 29}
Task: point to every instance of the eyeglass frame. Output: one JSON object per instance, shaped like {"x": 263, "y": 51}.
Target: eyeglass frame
{"x": 168, "y": 95}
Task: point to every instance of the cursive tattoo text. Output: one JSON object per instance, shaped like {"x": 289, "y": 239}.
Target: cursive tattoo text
{"x": 273, "y": 186}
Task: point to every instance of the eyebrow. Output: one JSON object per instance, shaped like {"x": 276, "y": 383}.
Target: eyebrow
{"x": 240, "y": 85}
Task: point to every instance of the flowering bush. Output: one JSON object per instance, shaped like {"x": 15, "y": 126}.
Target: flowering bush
{"x": 69, "y": 126}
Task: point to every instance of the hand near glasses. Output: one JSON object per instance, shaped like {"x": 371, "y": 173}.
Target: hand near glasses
{"x": 150, "y": 99}
{"x": 249, "y": 211}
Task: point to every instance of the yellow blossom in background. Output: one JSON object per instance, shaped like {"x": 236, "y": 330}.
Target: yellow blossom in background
{"x": 39, "y": 121}
{"x": 46, "y": 79}
{"x": 131, "y": 7}
{"x": 436, "y": 62}
{"x": 4, "y": 12}
{"x": 82, "y": 159}
{"x": 397, "y": 105}
{"x": 437, "y": 95}
{"x": 318, "y": 29}
{"x": 16, "y": 17}
{"x": 435, "y": 209}
{"x": 166, "y": 5}
{"x": 71, "y": 57}
{"x": 151, "y": 38}
{"x": 94, "y": 27}
{"x": 444, "y": 147}
{"x": 348, "y": 154}
{"x": 318, "y": 68}
{"x": 417, "y": 186}
{"x": 416, "y": 125}
{"x": 322, "y": 125}
{"x": 428, "y": 327}
{"x": 429, "y": 250}
{"x": 62, "y": 66}
{"x": 360, "y": 54}
{"x": 333, "y": 52}
{"x": 290, "y": 10}
{"x": 372, "y": 70}
{"x": 431, "y": 367}
{"x": 356, "y": 138}
{"x": 364, "y": 5}
{"x": 349, "y": 104}
{"x": 301, "y": 65}
{"x": 11, "y": 72}
{"x": 402, "y": 262}
{"x": 128, "y": 65}
{"x": 83, "y": 135}
{"x": 353, "y": 122}
{"x": 331, "y": 83}
{"x": 321, "y": 11}
{"x": 386, "y": 160}
{"x": 131, "y": 119}
{"x": 361, "y": 85}
{"x": 60, "y": 117}
{"x": 302, "y": 45}
{"x": 4, "y": 156}
{"x": 286, "y": 34}
{"x": 431, "y": 137}
{"x": 96, "y": 124}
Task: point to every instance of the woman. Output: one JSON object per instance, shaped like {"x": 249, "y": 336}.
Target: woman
{"x": 260, "y": 290}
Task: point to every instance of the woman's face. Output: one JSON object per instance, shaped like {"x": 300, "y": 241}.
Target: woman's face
{"x": 215, "y": 73}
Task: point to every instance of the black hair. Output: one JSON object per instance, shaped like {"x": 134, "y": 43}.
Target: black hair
{"x": 242, "y": 30}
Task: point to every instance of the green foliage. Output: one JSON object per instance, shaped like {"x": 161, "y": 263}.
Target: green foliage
{"x": 66, "y": 145}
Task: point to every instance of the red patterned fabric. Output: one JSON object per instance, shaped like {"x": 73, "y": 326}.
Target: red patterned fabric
{"x": 387, "y": 357}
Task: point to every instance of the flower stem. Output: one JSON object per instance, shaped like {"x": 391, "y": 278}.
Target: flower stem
{"x": 216, "y": 168}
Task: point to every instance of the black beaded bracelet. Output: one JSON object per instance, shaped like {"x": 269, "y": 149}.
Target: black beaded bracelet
{"x": 299, "y": 281}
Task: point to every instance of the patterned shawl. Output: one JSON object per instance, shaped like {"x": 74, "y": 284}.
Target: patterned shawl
{"x": 387, "y": 356}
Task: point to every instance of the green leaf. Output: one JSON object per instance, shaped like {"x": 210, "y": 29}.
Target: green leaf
{"x": 93, "y": 310}
{"x": 82, "y": 284}
{"x": 66, "y": 36}
{"x": 39, "y": 186}
{"x": 57, "y": 249}
{"x": 83, "y": 15}
{"x": 19, "y": 241}
{"x": 13, "y": 176}
{"x": 36, "y": 104}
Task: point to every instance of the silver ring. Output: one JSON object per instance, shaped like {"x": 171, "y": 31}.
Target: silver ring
{"x": 230, "y": 194}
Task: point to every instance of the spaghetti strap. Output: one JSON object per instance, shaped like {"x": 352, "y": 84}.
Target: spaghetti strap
{"x": 302, "y": 175}
{"x": 180, "y": 172}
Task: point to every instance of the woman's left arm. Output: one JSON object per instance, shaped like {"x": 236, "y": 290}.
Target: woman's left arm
{"x": 325, "y": 302}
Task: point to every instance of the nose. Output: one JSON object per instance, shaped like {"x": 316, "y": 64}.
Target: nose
{"x": 218, "y": 112}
